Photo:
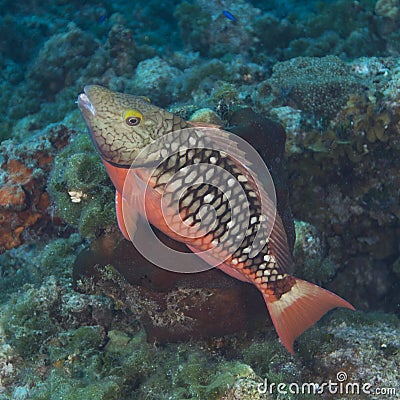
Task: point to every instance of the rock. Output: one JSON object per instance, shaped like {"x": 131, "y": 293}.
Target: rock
{"x": 171, "y": 306}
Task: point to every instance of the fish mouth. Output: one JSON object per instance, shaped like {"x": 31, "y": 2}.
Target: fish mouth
{"x": 85, "y": 105}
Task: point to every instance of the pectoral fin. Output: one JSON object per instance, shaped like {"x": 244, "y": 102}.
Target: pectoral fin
{"x": 120, "y": 217}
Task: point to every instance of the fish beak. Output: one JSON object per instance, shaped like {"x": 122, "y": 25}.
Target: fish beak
{"x": 85, "y": 105}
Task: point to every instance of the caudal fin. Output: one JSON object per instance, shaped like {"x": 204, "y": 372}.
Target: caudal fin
{"x": 301, "y": 308}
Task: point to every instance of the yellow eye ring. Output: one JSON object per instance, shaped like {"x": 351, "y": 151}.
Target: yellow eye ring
{"x": 132, "y": 117}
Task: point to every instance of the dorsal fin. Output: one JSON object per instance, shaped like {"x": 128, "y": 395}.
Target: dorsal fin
{"x": 278, "y": 239}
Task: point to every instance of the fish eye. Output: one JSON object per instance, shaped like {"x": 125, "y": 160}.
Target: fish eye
{"x": 132, "y": 117}
{"x": 132, "y": 121}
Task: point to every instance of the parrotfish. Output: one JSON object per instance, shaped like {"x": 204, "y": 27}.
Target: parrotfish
{"x": 121, "y": 125}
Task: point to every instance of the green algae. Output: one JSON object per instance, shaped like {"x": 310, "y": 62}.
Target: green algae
{"x": 270, "y": 360}
{"x": 192, "y": 375}
{"x": 131, "y": 368}
{"x": 311, "y": 262}
{"x": 87, "y": 361}
{"x": 81, "y": 189}
{"x": 53, "y": 259}
{"x": 56, "y": 255}
{"x": 73, "y": 389}
{"x": 226, "y": 93}
{"x": 373, "y": 318}
{"x": 27, "y": 320}
{"x": 318, "y": 271}
{"x": 179, "y": 371}
{"x": 81, "y": 342}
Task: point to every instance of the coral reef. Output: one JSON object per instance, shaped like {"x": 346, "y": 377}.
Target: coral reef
{"x": 318, "y": 86}
{"x": 108, "y": 47}
{"x": 216, "y": 34}
{"x": 207, "y": 116}
{"x": 56, "y": 67}
{"x": 120, "y": 363}
{"x": 25, "y": 208}
{"x": 293, "y": 61}
{"x": 367, "y": 355}
{"x": 27, "y": 321}
{"x": 171, "y": 306}
{"x": 310, "y": 255}
{"x": 80, "y": 187}
{"x": 387, "y": 8}
{"x": 352, "y": 164}
{"x": 153, "y": 76}
{"x": 13, "y": 200}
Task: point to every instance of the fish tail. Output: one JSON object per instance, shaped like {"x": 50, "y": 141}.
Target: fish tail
{"x": 299, "y": 308}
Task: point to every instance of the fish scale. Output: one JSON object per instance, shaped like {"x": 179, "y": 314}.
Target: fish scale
{"x": 263, "y": 272}
{"x": 141, "y": 152}
{"x": 268, "y": 276}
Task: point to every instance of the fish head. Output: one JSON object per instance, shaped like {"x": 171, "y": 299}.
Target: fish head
{"x": 121, "y": 124}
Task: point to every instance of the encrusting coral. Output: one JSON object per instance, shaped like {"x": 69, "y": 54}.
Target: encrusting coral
{"x": 25, "y": 207}
{"x": 318, "y": 86}
{"x": 80, "y": 188}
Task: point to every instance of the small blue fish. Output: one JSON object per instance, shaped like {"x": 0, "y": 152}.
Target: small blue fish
{"x": 102, "y": 18}
{"x": 229, "y": 15}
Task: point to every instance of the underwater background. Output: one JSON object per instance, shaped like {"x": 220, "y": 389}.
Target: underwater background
{"x": 75, "y": 321}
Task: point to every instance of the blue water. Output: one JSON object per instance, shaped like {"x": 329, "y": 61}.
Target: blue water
{"x": 35, "y": 60}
